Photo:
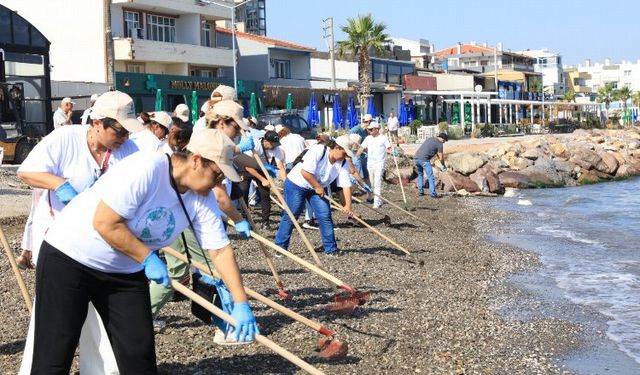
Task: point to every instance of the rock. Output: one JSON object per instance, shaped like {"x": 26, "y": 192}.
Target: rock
{"x": 543, "y": 177}
{"x": 460, "y": 181}
{"x": 598, "y": 139}
{"x": 496, "y": 165}
{"x": 465, "y": 163}
{"x": 513, "y": 179}
{"x": 586, "y": 177}
{"x": 608, "y": 165}
{"x": 633, "y": 145}
{"x": 559, "y": 150}
{"x": 531, "y": 154}
{"x": 487, "y": 180}
{"x": 517, "y": 163}
{"x": 586, "y": 158}
{"x": 510, "y": 192}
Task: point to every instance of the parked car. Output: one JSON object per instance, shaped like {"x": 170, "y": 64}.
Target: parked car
{"x": 296, "y": 123}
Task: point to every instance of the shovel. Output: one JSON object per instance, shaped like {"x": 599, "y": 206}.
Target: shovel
{"x": 281, "y": 292}
{"x": 329, "y": 346}
{"x": 16, "y": 271}
{"x": 259, "y": 338}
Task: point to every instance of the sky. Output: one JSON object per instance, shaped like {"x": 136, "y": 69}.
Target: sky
{"x": 577, "y": 29}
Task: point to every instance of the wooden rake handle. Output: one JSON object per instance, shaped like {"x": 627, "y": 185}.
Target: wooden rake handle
{"x": 16, "y": 271}
{"x": 259, "y": 338}
{"x": 394, "y": 205}
{"x": 255, "y": 295}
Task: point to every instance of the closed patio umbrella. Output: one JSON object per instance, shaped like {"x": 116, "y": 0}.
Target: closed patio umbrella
{"x": 313, "y": 118}
{"x": 253, "y": 105}
{"x": 402, "y": 116}
{"x": 411, "y": 111}
{"x": 289, "y": 102}
{"x": 352, "y": 113}
{"x": 194, "y": 106}
{"x": 159, "y": 101}
{"x": 337, "y": 111}
{"x": 371, "y": 108}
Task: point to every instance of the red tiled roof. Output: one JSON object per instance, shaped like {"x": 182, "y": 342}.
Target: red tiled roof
{"x": 264, "y": 39}
{"x": 465, "y": 48}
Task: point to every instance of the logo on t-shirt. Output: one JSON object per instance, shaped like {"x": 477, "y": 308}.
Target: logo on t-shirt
{"x": 156, "y": 225}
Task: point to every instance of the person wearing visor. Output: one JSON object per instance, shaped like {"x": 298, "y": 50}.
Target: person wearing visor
{"x": 103, "y": 249}
{"x": 308, "y": 181}
{"x": 160, "y": 124}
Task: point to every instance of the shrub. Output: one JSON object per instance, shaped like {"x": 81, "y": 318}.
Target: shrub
{"x": 414, "y": 125}
{"x": 443, "y": 127}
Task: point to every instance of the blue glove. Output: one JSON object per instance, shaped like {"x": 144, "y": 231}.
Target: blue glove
{"x": 273, "y": 171}
{"x": 246, "y": 327}
{"x": 367, "y": 188}
{"x": 246, "y": 143}
{"x": 155, "y": 269}
{"x": 65, "y": 192}
{"x": 243, "y": 228}
{"x": 394, "y": 152}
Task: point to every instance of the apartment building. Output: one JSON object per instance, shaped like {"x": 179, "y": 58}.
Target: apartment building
{"x": 550, "y": 65}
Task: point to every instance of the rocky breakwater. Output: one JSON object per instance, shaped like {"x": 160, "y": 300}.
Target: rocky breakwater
{"x": 582, "y": 157}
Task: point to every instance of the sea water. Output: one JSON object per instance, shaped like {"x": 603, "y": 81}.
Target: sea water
{"x": 588, "y": 239}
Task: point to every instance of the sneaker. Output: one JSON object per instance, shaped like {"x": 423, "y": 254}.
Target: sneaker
{"x": 159, "y": 325}
{"x": 369, "y": 200}
{"x": 435, "y": 195}
{"x": 334, "y": 253}
{"x": 218, "y": 338}
{"x": 421, "y": 194}
{"x": 309, "y": 225}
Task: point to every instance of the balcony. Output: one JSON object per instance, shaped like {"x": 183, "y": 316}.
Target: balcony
{"x": 133, "y": 50}
{"x": 178, "y": 7}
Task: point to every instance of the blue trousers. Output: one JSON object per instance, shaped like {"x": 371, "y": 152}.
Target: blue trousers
{"x": 295, "y": 196}
{"x": 422, "y": 166}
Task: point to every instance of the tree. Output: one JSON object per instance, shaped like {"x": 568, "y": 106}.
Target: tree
{"x": 569, "y": 97}
{"x": 635, "y": 100}
{"x": 363, "y": 34}
{"x": 623, "y": 94}
{"x": 606, "y": 94}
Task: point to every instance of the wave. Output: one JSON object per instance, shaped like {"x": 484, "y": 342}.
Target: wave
{"x": 566, "y": 234}
{"x": 576, "y": 199}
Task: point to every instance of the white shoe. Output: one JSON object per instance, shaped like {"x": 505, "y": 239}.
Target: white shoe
{"x": 218, "y": 338}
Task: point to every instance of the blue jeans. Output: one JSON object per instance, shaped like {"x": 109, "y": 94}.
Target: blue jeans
{"x": 295, "y": 196}
{"x": 422, "y": 166}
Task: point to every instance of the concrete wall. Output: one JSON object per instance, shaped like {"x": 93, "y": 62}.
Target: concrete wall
{"x": 390, "y": 103}
{"x": 299, "y": 63}
{"x": 452, "y": 82}
{"x": 345, "y": 70}
{"x": 188, "y": 29}
{"x": 253, "y": 62}
{"x": 76, "y": 32}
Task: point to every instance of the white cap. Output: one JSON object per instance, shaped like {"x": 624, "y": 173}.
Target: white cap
{"x": 161, "y": 118}
{"x": 279, "y": 127}
{"x": 269, "y": 128}
{"x": 373, "y": 124}
{"x": 355, "y": 138}
{"x": 224, "y": 92}
{"x": 213, "y": 145}
{"x": 367, "y": 117}
{"x": 205, "y": 107}
{"x": 182, "y": 112}
{"x": 229, "y": 108}
{"x": 94, "y": 97}
{"x": 345, "y": 142}
{"x": 118, "y": 106}
{"x": 67, "y": 100}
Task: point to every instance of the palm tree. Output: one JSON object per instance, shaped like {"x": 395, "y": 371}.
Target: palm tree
{"x": 635, "y": 100}
{"x": 606, "y": 94}
{"x": 363, "y": 34}
{"x": 623, "y": 94}
{"x": 569, "y": 97}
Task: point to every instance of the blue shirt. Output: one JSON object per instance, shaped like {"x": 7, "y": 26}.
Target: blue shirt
{"x": 360, "y": 131}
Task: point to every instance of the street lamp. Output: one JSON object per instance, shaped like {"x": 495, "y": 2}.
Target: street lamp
{"x": 232, "y": 8}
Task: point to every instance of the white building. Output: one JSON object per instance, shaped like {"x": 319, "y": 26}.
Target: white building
{"x": 550, "y": 65}
{"x": 625, "y": 73}
{"x": 421, "y": 50}
{"x": 149, "y": 36}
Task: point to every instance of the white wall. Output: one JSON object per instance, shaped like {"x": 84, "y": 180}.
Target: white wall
{"x": 452, "y": 82}
{"x": 188, "y": 29}
{"x": 76, "y": 32}
{"x": 299, "y": 63}
{"x": 390, "y": 103}
{"x": 345, "y": 70}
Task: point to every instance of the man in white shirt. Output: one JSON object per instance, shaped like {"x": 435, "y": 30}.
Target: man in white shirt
{"x": 62, "y": 115}
{"x": 84, "y": 119}
{"x": 292, "y": 144}
{"x": 392, "y": 125}
{"x": 377, "y": 146}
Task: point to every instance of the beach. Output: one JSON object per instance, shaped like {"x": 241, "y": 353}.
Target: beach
{"x": 440, "y": 310}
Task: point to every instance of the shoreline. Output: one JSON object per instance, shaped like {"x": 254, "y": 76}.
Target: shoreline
{"x": 434, "y": 312}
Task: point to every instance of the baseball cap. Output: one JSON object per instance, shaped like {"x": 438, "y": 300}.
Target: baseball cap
{"x": 229, "y": 108}
{"x": 272, "y": 137}
{"x": 444, "y": 136}
{"x": 345, "y": 142}
{"x": 373, "y": 124}
{"x": 355, "y": 138}
{"x": 213, "y": 145}
{"x": 182, "y": 112}
{"x": 67, "y": 100}
{"x": 270, "y": 128}
{"x": 224, "y": 92}
{"x": 278, "y": 128}
{"x": 118, "y": 106}
{"x": 205, "y": 107}
{"x": 367, "y": 117}
{"x": 161, "y": 118}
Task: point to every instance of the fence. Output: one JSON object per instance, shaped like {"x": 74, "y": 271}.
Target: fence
{"x": 425, "y": 132}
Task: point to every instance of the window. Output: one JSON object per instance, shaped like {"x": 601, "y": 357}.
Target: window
{"x": 379, "y": 72}
{"x": 132, "y": 26}
{"x": 202, "y": 72}
{"x": 282, "y": 68}
{"x": 394, "y": 74}
{"x": 627, "y": 73}
{"x": 207, "y": 38}
{"x": 135, "y": 68}
{"x": 161, "y": 29}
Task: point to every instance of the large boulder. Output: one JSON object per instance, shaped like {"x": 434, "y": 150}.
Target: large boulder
{"x": 455, "y": 181}
{"x": 465, "y": 163}
{"x": 517, "y": 163}
{"x": 586, "y": 177}
{"x": 559, "y": 150}
{"x": 586, "y": 158}
{"x": 609, "y": 164}
{"x": 487, "y": 180}
{"x": 532, "y": 153}
{"x": 513, "y": 179}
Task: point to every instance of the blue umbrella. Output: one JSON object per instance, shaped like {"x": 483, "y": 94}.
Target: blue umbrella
{"x": 352, "y": 113}
{"x": 313, "y": 118}
{"x": 410, "y": 111}
{"x": 370, "y": 108}
{"x": 337, "y": 111}
{"x": 402, "y": 116}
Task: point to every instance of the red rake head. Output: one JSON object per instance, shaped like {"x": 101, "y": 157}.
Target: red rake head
{"x": 356, "y": 298}
{"x": 332, "y": 348}
{"x": 342, "y": 307}
{"x": 284, "y": 295}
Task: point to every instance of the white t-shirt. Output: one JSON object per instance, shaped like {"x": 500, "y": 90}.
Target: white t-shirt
{"x": 59, "y": 118}
{"x": 320, "y": 167}
{"x": 139, "y": 190}
{"x": 292, "y": 145}
{"x": 376, "y": 148}
{"x": 84, "y": 119}
{"x": 146, "y": 140}
{"x": 200, "y": 124}
{"x": 392, "y": 123}
{"x": 65, "y": 153}
{"x": 270, "y": 154}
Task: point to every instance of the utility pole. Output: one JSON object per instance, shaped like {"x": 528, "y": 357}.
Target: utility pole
{"x": 327, "y": 25}
{"x": 109, "y": 49}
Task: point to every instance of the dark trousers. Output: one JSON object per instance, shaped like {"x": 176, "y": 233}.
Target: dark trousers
{"x": 265, "y": 201}
{"x": 64, "y": 289}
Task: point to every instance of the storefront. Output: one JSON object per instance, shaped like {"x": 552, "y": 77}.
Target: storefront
{"x": 178, "y": 89}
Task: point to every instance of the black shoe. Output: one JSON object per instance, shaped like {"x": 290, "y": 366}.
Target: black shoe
{"x": 421, "y": 194}
{"x": 370, "y": 200}
{"x": 435, "y": 195}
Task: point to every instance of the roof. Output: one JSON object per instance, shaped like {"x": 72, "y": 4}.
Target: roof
{"x": 265, "y": 40}
{"x": 465, "y": 48}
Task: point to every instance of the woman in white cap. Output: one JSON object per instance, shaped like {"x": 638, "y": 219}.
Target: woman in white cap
{"x": 308, "y": 180}
{"x": 377, "y": 146}
{"x": 182, "y": 112}
{"x": 156, "y": 129}
{"x": 102, "y": 249}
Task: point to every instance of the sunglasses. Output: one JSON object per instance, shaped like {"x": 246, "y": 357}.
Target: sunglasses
{"x": 120, "y": 131}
